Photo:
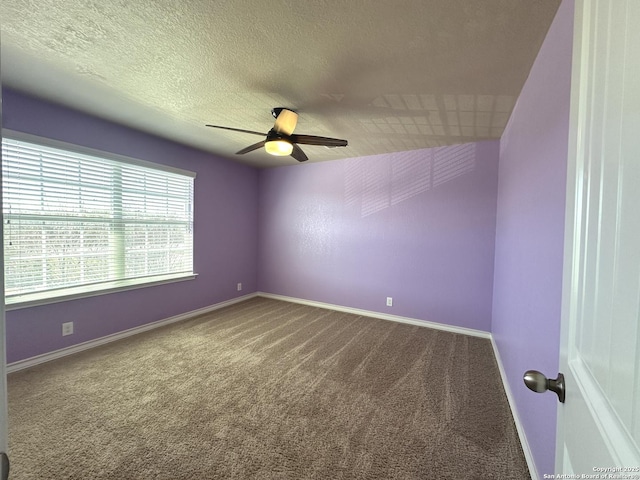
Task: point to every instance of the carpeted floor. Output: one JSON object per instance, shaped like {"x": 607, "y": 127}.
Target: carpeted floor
{"x": 267, "y": 389}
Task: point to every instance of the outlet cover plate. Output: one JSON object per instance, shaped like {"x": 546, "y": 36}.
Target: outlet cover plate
{"x": 67, "y": 328}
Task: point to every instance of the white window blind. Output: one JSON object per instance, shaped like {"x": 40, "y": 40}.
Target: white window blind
{"x": 72, "y": 219}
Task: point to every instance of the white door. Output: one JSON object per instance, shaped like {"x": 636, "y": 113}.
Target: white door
{"x": 599, "y": 425}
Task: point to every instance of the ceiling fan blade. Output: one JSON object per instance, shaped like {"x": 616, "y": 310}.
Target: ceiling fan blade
{"x": 237, "y": 130}
{"x": 298, "y": 154}
{"x": 251, "y": 148}
{"x": 286, "y": 121}
{"x": 313, "y": 140}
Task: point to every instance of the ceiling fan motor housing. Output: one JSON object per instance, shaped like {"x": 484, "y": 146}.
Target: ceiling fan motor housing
{"x": 273, "y": 136}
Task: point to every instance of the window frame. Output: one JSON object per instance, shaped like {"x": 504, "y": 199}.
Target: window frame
{"x": 64, "y": 294}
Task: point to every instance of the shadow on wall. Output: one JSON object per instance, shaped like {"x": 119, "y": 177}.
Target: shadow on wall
{"x": 373, "y": 184}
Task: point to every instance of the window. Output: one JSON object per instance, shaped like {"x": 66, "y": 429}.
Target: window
{"x": 78, "y": 221}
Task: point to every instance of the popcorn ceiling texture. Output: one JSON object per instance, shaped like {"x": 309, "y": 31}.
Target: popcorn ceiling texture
{"x": 387, "y": 76}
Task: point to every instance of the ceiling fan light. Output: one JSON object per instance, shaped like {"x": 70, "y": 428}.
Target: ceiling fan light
{"x": 279, "y": 147}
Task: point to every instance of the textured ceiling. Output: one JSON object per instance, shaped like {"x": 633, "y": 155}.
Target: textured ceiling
{"x": 387, "y": 75}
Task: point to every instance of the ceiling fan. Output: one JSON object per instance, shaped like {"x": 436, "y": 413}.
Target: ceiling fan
{"x": 281, "y": 140}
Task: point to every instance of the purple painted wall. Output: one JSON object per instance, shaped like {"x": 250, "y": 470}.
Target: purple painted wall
{"x": 225, "y": 233}
{"x": 417, "y": 226}
{"x": 530, "y": 233}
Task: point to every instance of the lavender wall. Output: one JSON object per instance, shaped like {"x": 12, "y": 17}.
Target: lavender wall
{"x": 416, "y": 226}
{"x": 530, "y": 230}
{"x": 225, "y": 233}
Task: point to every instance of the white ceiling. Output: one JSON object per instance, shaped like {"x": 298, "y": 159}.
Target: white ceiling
{"x": 387, "y": 75}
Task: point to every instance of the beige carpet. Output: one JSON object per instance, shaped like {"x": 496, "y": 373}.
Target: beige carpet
{"x": 268, "y": 390}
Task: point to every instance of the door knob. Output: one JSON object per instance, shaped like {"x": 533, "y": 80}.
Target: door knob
{"x": 537, "y": 382}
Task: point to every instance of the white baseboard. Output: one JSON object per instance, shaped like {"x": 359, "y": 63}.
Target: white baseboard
{"x": 439, "y": 326}
{"x": 63, "y": 352}
{"x": 30, "y": 362}
{"x": 514, "y": 412}
{"x": 46, "y": 357}
{"x": 382, "y": 316}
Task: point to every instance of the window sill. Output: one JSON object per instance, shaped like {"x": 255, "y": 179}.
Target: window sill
{"x": 44, "y": 298}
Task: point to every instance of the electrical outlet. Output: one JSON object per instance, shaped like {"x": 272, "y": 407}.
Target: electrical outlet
{"x": 239, "y": 286}
{"x": 67, "y": 328}
{"x": 389, "y": 302}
